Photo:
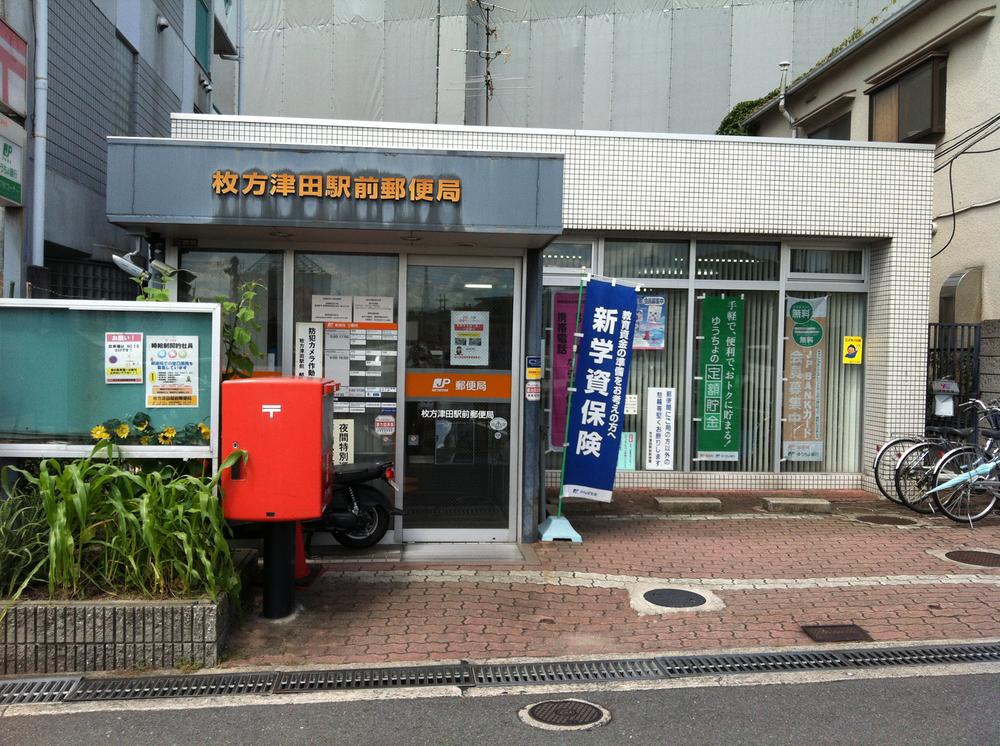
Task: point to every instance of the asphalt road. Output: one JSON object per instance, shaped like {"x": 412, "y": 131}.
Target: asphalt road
{"x": 933, "y": 710}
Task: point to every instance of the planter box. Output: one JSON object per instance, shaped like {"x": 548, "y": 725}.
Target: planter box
{"x": 65, "y": 636}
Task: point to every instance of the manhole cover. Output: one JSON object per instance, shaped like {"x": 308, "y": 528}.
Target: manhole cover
{"x": 674, "y": 598}
{"x": 972, "y": 557}
{"x": 886, "y": 520}
{"x": 836, "y": 633}
{"x": 565, "y": 714}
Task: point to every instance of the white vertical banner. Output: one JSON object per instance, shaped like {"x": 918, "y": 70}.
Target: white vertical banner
{"x": 343, "y": 441}
{"x": 308, "y": 349}
{"x": 660, "y": 407}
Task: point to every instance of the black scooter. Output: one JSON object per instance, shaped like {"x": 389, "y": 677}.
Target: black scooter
{"x": 359, "y": 510}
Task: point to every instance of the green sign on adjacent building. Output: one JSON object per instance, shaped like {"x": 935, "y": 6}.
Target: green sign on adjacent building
{"x": 10, "y": 173}
{"x": 720, "y": 367}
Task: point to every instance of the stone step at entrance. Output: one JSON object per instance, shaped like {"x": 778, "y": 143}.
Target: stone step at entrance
{"x": 689, "y": 504}
{"x": 797, "y": 505}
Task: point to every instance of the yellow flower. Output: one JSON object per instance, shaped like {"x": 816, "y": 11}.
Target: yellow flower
{"x": 99, "y": 432}
{"x": 169, "y": 432}
{"x": 204, "y": 430}
{"x": 122, "y": 430}
{"x": 143, "y": 424}
{"x": 167, "y": 436}
{"x": 144, "y": 440}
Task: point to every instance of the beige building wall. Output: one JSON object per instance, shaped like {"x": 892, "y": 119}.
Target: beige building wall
{"x": 972, "y": 95}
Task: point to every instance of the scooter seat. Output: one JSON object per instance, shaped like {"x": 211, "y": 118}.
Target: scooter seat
{"x": 355, "y": 473}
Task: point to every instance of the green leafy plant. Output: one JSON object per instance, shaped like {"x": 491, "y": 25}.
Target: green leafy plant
{"x": 115, "y": 528}
{"x": 150, "y": 293}
{"x": 23, "y": 540}
{"x": 139, "y": 430}
{"x": 239, "y": 321}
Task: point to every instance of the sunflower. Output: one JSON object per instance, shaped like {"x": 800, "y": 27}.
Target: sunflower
{"x": 167, "y": 436}
{"x": 204, "y": 430}
{"x": 144, "y": 440}
{"x": 99, "y": 432}
{"x": 123, "y": 430}
{"x": 141, "y": 421}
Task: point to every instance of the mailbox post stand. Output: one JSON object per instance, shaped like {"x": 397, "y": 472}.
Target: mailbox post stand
{"x": 279, "y": 569}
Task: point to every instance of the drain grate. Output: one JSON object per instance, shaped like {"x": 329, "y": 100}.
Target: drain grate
{"x": 376, "y": 678}
{"x": 162, "y": 687}
{"x": 886, "y": 520}
{"x": 505, "y": 674}
{"x": 30, "y": 691}
{"x": 700, "y": 665}
{"x": 973, "y": 557}
{"x": 922, "y": 656}
{"x": 836, "y": 633}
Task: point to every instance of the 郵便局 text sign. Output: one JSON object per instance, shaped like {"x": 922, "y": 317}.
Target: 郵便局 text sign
{"x": 596, "y": 406}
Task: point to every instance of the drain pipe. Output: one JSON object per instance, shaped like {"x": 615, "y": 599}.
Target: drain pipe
{"x": 38, "y": 145}
{"x": 783, "y": 66}
{"x": 242, "y": 59}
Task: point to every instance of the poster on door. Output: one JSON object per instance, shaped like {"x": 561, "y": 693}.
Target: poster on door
{"x": 308, "y": 349}
{"x": 470, "y": 338}
{"x": 123, "y": 357}
{"x": 564, "y": 307}
{"x": 720, "y": 367}
{"x": 171, "y": 371}
{"x": 660, "y": 406}
{"x": 626, "y": 453}
{"x": 650, "y": 325}
{"x": 332, "y": 308}
{"x": 804, "y": 390}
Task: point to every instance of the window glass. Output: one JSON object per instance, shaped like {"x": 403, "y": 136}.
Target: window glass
{"x": 838, "y": 129}
{"x": 824, "y": 435}
{"x": 757, "y": 392}
{"x": 647, "y": 259}
{"x": 360, "y": 355}
{"x": 915, "y": 102}
{"x": 568, "y": 256}
{"x": 737, "y": 261}
{"x": 825, "y": 261}
{"x": 885, "y": 114}
{"x": 202, "y": 33}
{"x": 214, "y": 274}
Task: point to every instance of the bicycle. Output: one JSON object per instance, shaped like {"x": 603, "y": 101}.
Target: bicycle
{"x": 967, "y": 484}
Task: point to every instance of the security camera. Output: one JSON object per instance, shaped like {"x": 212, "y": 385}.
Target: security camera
{"x": 162, "y": 24}
{"x": 126, "y": 264}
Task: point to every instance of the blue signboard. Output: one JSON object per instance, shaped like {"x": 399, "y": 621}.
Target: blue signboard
{"x": 598, "y": 400}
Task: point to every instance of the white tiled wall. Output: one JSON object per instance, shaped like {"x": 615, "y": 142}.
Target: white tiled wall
{"x": 743, "y": 186}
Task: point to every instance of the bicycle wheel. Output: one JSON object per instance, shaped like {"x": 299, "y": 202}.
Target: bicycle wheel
{"x": 885, "y": 463}
{"x": 915, "y": 475}
{"x": 971, "y": 500}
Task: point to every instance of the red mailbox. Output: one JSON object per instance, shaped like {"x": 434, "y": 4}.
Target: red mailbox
{"x": 285, "y": 425}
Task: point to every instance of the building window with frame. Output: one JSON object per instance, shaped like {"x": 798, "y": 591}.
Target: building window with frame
{"x": 203, "y": 34}
{"x": 837, "y": 129}
{"x": 911, "y": 107}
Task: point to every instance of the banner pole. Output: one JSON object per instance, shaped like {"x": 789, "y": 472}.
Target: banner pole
{"x": 569, "y": 394}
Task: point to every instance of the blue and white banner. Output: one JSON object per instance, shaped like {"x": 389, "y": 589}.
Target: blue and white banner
{"x": 596, "y": 415}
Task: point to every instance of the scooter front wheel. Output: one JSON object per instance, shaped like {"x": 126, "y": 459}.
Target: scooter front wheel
{"x": 376, "y": 523}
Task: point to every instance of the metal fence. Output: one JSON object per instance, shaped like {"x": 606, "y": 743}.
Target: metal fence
{"x": 953, "y": 354}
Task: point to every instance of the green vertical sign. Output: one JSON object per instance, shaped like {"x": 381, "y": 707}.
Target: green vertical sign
{"x": 720, "y": 366}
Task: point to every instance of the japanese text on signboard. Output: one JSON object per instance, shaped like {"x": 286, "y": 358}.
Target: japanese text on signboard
{"x": 720, "y": 368}
{"x": 336, "y": 186}
{"x": 805, "y": 367}
{"x": 600, "y": 382}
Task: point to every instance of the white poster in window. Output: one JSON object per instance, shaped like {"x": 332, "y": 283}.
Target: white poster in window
{"x": 343, "y": 441}
{"x": 123, "y": 357}
{"x": 171, "y": 371}
{"x": 470, "y": 338}
{"x": 308, "y": 349}
{"x": 337, "y": 356}
{"x": 660, "y": 406}
{"x": 631, "y": 403}
{"x": 373, "y": 309}
{"x": 331, "y": 308}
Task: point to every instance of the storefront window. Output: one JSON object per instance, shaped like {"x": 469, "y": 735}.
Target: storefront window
{"x": 666, "y": 260}
{"x": 823, "y": 387}
{"x": 826, "y": 262}
{"x": 214, "y": 274}
{"x": 750, "y": 442}
{"x": 565, "y": 255}
{"x": 737, "y": 261}
{"x": 354, "y": 298}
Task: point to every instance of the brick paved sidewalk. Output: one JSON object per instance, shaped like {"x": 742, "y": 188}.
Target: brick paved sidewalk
{"x": 772, "y": 573}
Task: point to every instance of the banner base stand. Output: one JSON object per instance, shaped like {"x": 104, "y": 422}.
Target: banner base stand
{"x": 558, "y": 528}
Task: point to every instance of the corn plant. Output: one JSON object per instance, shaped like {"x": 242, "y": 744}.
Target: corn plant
{"x": 24, "y": 535}
{"x": 118, "y": 529}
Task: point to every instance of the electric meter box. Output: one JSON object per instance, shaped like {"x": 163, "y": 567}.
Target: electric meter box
{"x": 286, "y": 427}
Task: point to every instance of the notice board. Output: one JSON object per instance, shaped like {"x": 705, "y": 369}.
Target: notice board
{"x": 66, "y": 367}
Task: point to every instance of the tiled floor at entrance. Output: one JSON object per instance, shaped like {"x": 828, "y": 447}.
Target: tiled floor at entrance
{"x": 773, "y": 573}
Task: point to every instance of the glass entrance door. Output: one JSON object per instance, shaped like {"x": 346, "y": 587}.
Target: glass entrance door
{"x": 459, "y": 464}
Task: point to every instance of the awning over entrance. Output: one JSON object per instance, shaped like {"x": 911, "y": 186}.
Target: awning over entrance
{"x": 510, "y": 199}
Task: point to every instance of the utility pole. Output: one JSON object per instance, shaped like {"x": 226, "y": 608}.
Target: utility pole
{"x": 485, "y": 20}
